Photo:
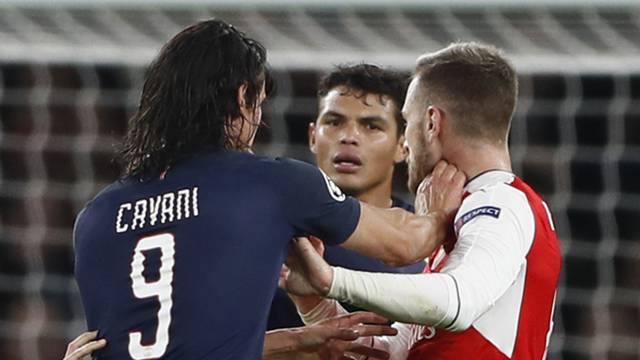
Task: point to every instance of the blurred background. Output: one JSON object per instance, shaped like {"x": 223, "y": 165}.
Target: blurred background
{"x": 71, "y": 72}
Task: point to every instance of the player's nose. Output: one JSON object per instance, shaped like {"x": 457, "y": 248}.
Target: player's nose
{"x": 350, "y": 134}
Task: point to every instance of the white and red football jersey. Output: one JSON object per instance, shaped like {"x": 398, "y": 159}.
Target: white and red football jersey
{"x": 489, "y": 292}
{"x": 501, "y": 218}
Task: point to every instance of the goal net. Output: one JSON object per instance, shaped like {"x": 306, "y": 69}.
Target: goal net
{"x": 71, "y": 72}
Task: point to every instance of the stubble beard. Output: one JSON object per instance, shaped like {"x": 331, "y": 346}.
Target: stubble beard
{"x": 417, "y": 173}
{"x": 419, "y": 166}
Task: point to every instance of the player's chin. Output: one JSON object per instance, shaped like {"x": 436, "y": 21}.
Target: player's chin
{"x": 343, "y": 178}
{"x": 349, "y": 183}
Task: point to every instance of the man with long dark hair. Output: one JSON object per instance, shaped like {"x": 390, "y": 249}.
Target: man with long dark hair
{"x": 180, "y": 258}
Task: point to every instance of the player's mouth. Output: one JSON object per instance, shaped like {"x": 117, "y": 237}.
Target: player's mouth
{"x": 347, "y": 163}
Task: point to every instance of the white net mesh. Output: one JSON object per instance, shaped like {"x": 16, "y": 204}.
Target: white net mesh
{"x": 71, "y": 77}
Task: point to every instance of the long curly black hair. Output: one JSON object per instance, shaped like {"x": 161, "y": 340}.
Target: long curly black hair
{"x": 189, "y": 97}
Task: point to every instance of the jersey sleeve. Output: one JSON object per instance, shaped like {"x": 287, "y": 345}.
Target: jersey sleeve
{"x": 495, "y": 230}
{"x": 314, "y": 204}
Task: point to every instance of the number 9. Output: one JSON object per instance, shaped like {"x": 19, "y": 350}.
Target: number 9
{"x": 161, "y": 288}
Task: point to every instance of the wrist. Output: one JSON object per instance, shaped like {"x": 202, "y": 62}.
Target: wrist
{"x": 335, "y": 286}
{"x": 326, "y": 287}
{"x": 441, "y": 216}
{"x": 281, "y": 342}
{"x": 305, "y": 304}
{"x": 442, "y": 222}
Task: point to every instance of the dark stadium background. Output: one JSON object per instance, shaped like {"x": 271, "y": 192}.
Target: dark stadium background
{"x": 575, "y": 138}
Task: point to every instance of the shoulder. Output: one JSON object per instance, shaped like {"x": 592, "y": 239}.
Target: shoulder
{"x": 304, "y": 176}
{"x": 502, "y": 194}
{"x": 285, "y": 175}
{"x": 93, "y": 209}
{"x": 267, "y": 165}
{"x": 105, "y": 194}
{"x": 245, "y": 167}
{"x": 288, "y": 164}
{"x": 283, "y": 171}
{"x": 499, "y": 201}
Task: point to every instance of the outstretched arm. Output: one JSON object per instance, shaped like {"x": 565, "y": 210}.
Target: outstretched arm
{"x": 487, "y": 258}
{"x": 417, "y": 298}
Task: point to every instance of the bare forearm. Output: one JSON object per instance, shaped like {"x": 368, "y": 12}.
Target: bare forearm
{"x": 397, "y": 237}
{"x": 426, "y": 234}
{"x": 281, "y": 344}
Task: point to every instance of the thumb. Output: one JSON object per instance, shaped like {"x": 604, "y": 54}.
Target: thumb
{"x": 306, "y": 247}
{"x": 318, "y": 272}
{"x": 282, "y": 279}
{"x": 318, "y": 245}
{"x": 284, "y": 271}
{"x": 307, "y": 253}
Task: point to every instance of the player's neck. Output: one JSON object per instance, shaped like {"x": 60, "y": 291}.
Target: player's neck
{"x": 474, "y": 159}
{"x": 379, "y": 195}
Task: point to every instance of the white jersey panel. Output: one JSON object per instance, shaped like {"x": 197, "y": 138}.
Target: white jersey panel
{"x": 495, "y": 227}
{"x": 506, "y": 312}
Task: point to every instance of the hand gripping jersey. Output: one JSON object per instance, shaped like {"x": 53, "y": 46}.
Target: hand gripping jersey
{"x": 518, "y": 323}
{"x": 185, "y": 267}
{"x": 283, "y": 312}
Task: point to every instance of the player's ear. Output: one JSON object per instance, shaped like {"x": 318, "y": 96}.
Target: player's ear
{"x": 401, "y": 152}
{"x": 433, "y": 123}
{"x": 241, "y": 96}
{"x": 311, "y": 131}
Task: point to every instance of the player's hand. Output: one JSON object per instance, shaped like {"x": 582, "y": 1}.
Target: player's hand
{"x": 333, "y": 338}
{"x": 304, "y": 304}
{"x": 308, "y": 273}
{"x": 443, "y": 191}
{"x": 365, "y": 324}
{"x": 84, "y": 345}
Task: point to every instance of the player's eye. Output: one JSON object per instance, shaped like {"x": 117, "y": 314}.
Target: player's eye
{"x": 332, "y": 121}
{"x": 373, "y": 125}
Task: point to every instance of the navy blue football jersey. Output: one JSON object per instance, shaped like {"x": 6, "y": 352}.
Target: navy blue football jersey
{"x": 185, "y": 267}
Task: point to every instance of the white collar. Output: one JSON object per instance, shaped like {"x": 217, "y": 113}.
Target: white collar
{"x": 489, "y": 177}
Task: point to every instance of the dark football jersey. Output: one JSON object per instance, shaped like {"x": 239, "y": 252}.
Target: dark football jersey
{"x": 185, "y": 266}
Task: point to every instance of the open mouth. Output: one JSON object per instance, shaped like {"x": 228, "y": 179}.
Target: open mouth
{"x": 347, "y": 163}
